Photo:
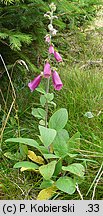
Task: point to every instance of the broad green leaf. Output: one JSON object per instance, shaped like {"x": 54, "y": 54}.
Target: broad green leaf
{"x": 32, "y": 156}
{"x": 12, "y": 156}
{"x": 66, "y": 184}
{"x": 59, "y": 145}
{"x": 64, "y": 134}
{"x": 38, "y": 113}
{"x": 35, "y": 113}
{"x": 42, "y": 112}
{"x": 49, "y": 96}
{"x": 42, "y": 100}
{"x": 43, "y": 150}
{"x": 58, "y": 168}
{"x": 41, "y": 90}
{"x": 46, "y": 184}
{"x": 74, "y": 143}
{"x": 29, "y": 142}
{"x": 47, "y": 170}
{"x": 47, "y": 135}
{"x": 47, "y": 193}
{"x": 59, "y": 119}
{"x": 75, "y": 168}
{"x": 23, "y": 150}
{"x": 49, "y": 156}
{"x": 26, "y": 164}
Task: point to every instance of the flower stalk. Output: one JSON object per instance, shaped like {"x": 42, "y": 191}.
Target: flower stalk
{"x": 49, "y": 71}
{"x": 51, "y": 51}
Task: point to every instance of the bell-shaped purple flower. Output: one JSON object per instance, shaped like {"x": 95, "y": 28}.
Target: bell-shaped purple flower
{"x": 51, "y": 49}
{"x": 47, "y": 70}
{"x": 57, "y": 56}
{"x": 34, "y": 83}
{"x": 57, "y": 83}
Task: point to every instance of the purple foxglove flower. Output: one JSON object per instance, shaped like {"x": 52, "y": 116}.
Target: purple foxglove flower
{"x": 47, "y": 70}
{"x": 34, "y": 83}
{"x": 57, "y": 83}
{"x": 57, "y": 56}
{"x": 51, "y": 49}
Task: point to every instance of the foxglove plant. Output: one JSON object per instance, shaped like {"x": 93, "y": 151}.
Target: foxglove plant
{"x": 48, "y": 71}
{"x": 55, "y": 146}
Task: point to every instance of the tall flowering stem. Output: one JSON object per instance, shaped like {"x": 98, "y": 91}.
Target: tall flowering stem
{"x": 49, "y": 38}
{"x": 49, "y": 71}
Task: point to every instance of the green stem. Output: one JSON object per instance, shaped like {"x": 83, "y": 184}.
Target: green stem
{"x": 46, "y": 106}
{"x": 48, "y": 81}
{"x": 48, "y": 84}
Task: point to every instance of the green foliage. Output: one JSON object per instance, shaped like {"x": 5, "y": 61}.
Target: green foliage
{"x": 29, "y": 142}
{"x": 26, "y": 164}
{"x": 10, "y": 1}
{"x": 66, "y": 184}
{"x": 39, "y": 113}
{"x": 22, "y": 23}
{"x": 59, "y": 119}
{"x": 47, "y": 170}
{"x": 55, "y": 143}
{"x": 60, "y": 145}
{"x": 47, "y": 135}
{"x": 75, "y": 168}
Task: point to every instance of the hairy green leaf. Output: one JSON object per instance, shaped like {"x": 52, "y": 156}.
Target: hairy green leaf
{"x": 59, "y": 119}
{"x": 66, "y": 184}
{"x": 47, "y": 170}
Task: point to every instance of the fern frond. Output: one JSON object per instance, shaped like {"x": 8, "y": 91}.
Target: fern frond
{"x": 16, "y": 39}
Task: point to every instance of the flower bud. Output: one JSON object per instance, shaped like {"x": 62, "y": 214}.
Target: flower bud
{"x": 51, "y": 49}
{"x": 54, "y": 31}
{"x": 50, "y": 27}
{"x": 52, "y": 6}
{"x": 47, "y": 38}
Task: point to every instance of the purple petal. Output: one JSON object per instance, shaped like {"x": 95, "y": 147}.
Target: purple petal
{"x": 47, "y": 70}
{"x": 34, "y": 83}
{"x": 57, "y": 83}
{"x": 51, "y": 49}
{"x": 57, "y": 56}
